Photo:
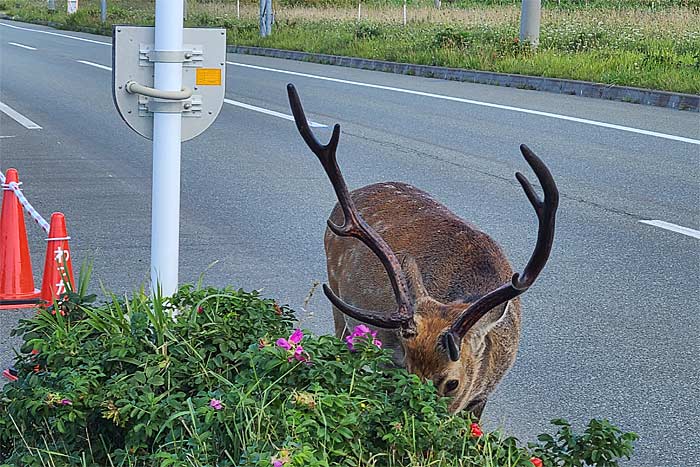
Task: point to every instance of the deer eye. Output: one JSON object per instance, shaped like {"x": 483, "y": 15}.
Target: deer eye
{"x": 451, "y": 385}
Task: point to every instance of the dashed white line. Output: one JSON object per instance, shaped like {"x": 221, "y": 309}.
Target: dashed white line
{"x": 96, "y": 65}
{"x": 271, "y": 112}
{"x": 55, "y": 34}
{"x": 673, "y": 228}
{"x": 18, "y": 117}
{"x": 480, "y": 103}
{"x": 22, "y": 45}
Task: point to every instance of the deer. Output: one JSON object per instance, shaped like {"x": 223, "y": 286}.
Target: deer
{"x": 441, "y": 293}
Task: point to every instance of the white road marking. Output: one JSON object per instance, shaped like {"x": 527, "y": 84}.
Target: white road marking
{"x": 22, "y": 45}
{"x": 271, "y": 112}
{"x": 9, "y": 136}
{"x": 228, "y": 101}
{"x": 96, "y": 65}
{"x": 56, "y": 34}
{"x": 682, "y": 139}
{"x": 473, "y": 102}
{"x": 18, "y": 117}
{"x": 673, "y": 228}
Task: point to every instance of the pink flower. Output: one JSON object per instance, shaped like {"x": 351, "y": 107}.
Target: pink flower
{"x": 283, "y": 343}
{"x": 66, "y": 402}
{"x": 293, "y": 345}
{"x": 362, "y": 331}
{"x": 277, "y": 464}
{"x": 296, "y": 336}
{"x": 216, "y": 404}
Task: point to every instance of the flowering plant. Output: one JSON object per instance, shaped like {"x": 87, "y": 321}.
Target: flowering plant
{"x": 362, "y": 331}
{"x": 125, "y": 384}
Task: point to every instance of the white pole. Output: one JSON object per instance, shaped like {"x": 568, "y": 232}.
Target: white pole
{"x": 530, "y": 22}
{"x": 165, "y": 214}
{"x": 238, "y": 9}
{"x": 404, "y": 12}
{"x": 359, "y": 10}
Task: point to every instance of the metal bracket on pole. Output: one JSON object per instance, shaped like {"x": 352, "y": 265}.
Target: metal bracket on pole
{"x": 191, "y": 107}
{"x": 191, "y": 56}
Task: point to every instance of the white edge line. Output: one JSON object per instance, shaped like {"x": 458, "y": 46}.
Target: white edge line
{"x": 18, "y": 117}
{"x": 425, "y": 94}
{"x": 271, "y": 112}
{"x": 96, "y": 65}
{"x": 55, "y": 34}
{"x": 673, "y": 227}
{"x": 22, "y": 45}
{"x": 483, "y": 104}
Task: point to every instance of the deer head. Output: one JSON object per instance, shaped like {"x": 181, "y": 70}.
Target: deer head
{"x": 442, "y": 342}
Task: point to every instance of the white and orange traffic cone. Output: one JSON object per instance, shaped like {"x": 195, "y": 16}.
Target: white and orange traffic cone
{"x": 16, "y": 280}
{"x": 58, "y": 267}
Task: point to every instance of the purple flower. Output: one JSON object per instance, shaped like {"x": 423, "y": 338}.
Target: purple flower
{"x": 292, "y": 344}
{"x": 216, "y": 404}
{"x": 362, "y": 331}
{"x": 296, "y": 336}
{"x": 66, "y": 402}
{"x": 277, "y": 464}
{"x": 283, "y": 343}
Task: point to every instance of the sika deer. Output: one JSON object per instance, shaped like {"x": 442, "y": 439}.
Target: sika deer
{"x": 449, "y": 307}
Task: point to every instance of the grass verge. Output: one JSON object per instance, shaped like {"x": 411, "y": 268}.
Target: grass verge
{"x": 640, "y": 46}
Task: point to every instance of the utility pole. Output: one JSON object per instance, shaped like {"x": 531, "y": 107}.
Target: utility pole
{"x": 530, "y": 22}
{"x": 265, "y": 18}
{"x": 167, "y": 127}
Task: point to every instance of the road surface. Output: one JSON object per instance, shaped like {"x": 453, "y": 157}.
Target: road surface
{"x": 610, "y": 328}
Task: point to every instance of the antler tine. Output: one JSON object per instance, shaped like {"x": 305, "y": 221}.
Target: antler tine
{"x": 546, "y": 212}
{"x": 355, "y": 226}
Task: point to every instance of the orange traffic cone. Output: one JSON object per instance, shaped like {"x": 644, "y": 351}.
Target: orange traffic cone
{"x": 58, "y": 267}
{"x": 16, "y": 280}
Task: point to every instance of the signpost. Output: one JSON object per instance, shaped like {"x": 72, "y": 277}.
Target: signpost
{"x": 168, "y": 85}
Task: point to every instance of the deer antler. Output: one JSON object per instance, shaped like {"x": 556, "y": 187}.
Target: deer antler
{"x": 355, "y": 226}
{"x": 546, "y": 211}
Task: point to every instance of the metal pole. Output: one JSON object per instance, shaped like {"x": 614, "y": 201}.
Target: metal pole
{"x": 404, "y": 12}
{"x": 165, "y": 215}
{"x": 530, "y": 22}
{"x": 238, "y": 9}
{"x": 265, "y": 17}
{"x": 52, "y": 5}
{"x": 359, "y": 10}
{"x": 103, "y": 11}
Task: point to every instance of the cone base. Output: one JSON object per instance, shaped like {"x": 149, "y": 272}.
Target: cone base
{"x": 28, "y": 300}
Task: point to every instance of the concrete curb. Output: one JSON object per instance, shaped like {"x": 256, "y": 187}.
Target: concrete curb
{"x": 672, "y": 100}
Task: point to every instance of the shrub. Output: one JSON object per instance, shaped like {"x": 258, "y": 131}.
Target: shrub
{"x": 228, "y": 382}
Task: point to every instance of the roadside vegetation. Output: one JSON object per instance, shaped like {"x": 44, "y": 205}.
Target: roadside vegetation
{"x": 643, "y": 43}
{"x": 230, "y": 382}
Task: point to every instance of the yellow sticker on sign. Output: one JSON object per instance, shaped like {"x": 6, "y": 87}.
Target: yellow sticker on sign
{"x": 208, "y": 76}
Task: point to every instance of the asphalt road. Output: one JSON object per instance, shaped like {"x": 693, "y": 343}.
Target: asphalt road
{"x": 610, "y": 328}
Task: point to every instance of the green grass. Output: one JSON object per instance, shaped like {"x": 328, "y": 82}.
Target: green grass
{"x": 613, "y": 42}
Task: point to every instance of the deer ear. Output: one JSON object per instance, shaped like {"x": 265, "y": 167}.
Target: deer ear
{"x": 413, "y": 277}
{"x": 490, "y": 320}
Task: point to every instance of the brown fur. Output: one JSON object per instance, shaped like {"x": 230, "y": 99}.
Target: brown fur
{"x": 448, "y": 264}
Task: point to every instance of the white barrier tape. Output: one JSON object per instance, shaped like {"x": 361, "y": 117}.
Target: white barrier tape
{"x": 25, "y": 204}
